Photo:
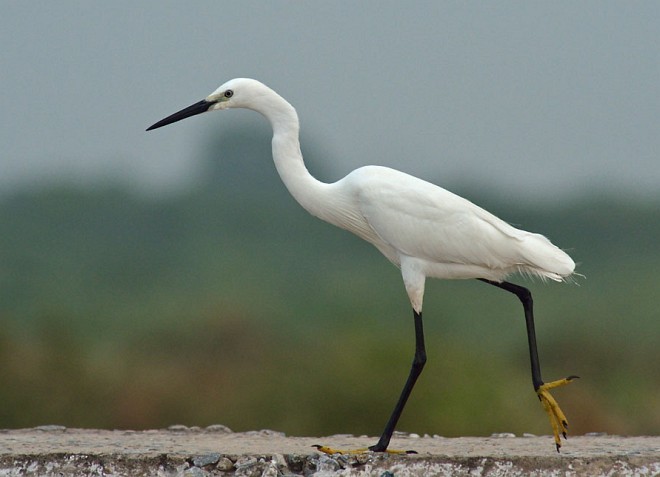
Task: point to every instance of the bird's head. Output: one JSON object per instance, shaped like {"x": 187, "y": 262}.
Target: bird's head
{"x": 236, "y": 93}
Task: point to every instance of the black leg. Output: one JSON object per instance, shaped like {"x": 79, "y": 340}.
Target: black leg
{"x": 525, "y": 296}
{"x": 417, "y": 365}
{"x": 557, "y": 417}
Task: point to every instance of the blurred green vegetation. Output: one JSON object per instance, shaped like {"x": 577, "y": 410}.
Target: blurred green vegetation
{"x": 229, "y": 304}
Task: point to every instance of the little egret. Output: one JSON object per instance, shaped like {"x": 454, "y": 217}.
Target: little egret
{"x": 421, "y": 228}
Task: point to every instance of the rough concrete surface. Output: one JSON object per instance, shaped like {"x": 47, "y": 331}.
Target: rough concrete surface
{"x": 216, "y": 450}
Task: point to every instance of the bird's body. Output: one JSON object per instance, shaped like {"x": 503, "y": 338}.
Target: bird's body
{"x": 423, "y": 229}
{"x": 428, "y": 231}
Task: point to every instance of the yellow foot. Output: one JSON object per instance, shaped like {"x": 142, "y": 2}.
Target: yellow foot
{"x": 364, "y": 450}
{"x": 557, "y": 417}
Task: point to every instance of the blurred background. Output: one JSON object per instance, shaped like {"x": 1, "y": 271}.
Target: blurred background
{"x": 149, "y": 279}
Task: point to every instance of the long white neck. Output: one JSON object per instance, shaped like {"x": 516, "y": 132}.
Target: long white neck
{"x": 308, "y": 191}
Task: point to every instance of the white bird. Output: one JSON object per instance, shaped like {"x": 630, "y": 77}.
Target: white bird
{"x": 421, "y": 228}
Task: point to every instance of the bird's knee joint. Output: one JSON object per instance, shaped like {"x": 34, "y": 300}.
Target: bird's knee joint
{"x": 420, "y": 360}
{"x": 525, "y": 296}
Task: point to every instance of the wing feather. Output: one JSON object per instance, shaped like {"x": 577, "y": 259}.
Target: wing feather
{"x": 422, "y": 220}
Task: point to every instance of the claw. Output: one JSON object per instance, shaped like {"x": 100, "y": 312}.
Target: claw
{"x": 557, "y": 418}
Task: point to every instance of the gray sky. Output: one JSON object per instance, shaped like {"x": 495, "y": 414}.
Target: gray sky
{"x": 543, "y": 99}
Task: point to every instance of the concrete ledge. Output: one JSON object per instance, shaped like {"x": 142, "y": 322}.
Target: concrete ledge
{"x": 195, "y": 452}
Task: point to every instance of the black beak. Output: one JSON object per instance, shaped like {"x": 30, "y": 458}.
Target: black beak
{"x": 192, "y": 110}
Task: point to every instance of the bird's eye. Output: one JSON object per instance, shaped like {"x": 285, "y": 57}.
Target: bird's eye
{"x": 229, "y": 93}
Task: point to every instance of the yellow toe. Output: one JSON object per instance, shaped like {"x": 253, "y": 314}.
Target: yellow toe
{"x": 362, "y": 450}
{"x": 557, "y": 418}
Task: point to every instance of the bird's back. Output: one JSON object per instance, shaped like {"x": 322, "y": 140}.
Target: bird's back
{"x": 447, "y": 235}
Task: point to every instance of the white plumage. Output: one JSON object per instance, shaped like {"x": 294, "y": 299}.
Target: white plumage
{"x": 422, "y": 228}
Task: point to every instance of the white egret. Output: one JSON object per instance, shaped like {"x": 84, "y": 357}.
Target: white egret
{"x": 423, "y": 229}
